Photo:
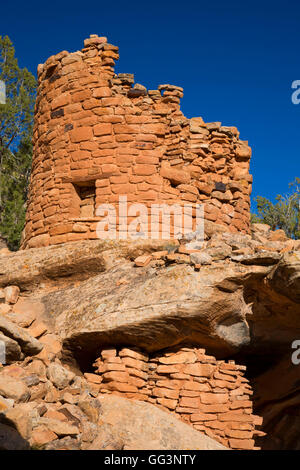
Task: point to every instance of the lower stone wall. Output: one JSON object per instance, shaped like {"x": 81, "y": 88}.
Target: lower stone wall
{"x": 211, "y": 395}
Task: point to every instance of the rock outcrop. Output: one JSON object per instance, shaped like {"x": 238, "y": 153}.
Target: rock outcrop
{"x": 236, "y": 297}
{"x": 123, "y": 427}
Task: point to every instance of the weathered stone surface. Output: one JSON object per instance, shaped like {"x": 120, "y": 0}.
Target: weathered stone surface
{"x": 12, "y": 349}
{"x": 29, "y": 345}
{"x": 91, "y": 407}
{"x": 41, "y": 436}
{"x": 22, "y": 416}
{"x": 286, "y": 277}
{"x": 11, "y": 294}
{"x": 13, "y": 388}
{"x": 261, "y": 228}
{"x": 220, "y": 251}
{"x": 278, "y": 402}
{"x": 260, "y": 259}
{"x": 179, "y": 296}
{"x": 201, "y": 258}
{"x": 59, "y": 375}
{"x": 90, "y": 315}
{"x": 58, "y": 427}
{"x": 239, "y": 311}
{"x": 5, "y": 403}
{"x": 141, "y": 426}
{"x": 23, "y": 319}
{"x": 70, "y": 262}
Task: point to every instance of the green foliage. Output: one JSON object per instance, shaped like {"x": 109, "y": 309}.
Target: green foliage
{"x": 284, "y": 214}
{"x": 16, "y": 123}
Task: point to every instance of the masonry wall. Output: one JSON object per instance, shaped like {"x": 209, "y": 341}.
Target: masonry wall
{"x": 213, "y": 396}
{"x": 98, "y": 136}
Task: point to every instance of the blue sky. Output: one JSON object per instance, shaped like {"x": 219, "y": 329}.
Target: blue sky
{"x": 236, "y": 61}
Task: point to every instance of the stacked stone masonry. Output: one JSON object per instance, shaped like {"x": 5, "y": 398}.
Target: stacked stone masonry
{"x": 98, "y": 136}
{"x": 211, "y": 395}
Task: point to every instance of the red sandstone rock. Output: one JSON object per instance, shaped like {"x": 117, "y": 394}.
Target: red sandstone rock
{"x": 81, "y": 134}
{"x": 93, "y": 378}
{"x": 204, "y": 370}
{"x": 143, "y": 260}
{"x": 41, "y": 436}
{"x": 11, "y": 294}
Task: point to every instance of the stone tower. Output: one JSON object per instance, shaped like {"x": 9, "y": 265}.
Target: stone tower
{"x": 98, "y": 136}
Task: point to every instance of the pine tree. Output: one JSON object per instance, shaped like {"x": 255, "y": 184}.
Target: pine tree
{"x": 16, "y": 123}
{"x": 284, "y": 214}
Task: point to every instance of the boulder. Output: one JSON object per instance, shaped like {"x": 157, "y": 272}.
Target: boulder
{"x": 70, "y": 262}
{"x": 13, "y": 388}
{"x": 262, "y": 228}
{"x": 219, "y": 251}
{"x": 91, "y": 407}
{"x": 10, "y": 349}
{"x": 29, "y": 345}
{"x": 201, "y": 258}
{"x": 59, "y": 375}
{"x": 130, "y": 425}
{"x": 5, "y": 403}
{"x": 244, "y": 306}
{"x": 60, "y": 428}
{"x": 155, "y": 309}
{"x": 22, "y": 416}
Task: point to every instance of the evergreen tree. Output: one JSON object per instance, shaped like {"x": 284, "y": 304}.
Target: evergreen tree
{"x": 284, "y": 214}
{"x": 16, "y": 122}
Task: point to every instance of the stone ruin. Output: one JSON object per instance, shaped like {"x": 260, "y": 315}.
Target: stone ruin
{"x": 211, "y": 395}
{"x": 98, "y": 135}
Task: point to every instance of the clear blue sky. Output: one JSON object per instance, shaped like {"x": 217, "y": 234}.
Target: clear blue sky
{"x": 236, "y": 61}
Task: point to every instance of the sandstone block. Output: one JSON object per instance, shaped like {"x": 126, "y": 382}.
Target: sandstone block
{"x": 41, "y": 436}
{"x": 143, "y": 260}
{"x": 29, "y": 345}
{"x": 214, "y": 398}
{"x": 59, "y": 375}
{"x": 81, "y": 134}
{"x": 116, "y": 376}
{"x": 199, "y": 417}
{"x": 167, "y": 403}
{"x": 199, "y": 370}
{"x": 14, "y": 388}
{"x": 60, "y": 428}
{"x": 245, "y": 444}
{"x": 189, "y": 402}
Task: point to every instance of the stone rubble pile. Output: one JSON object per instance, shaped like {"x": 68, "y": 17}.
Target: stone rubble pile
{"x": 263, "y": 247}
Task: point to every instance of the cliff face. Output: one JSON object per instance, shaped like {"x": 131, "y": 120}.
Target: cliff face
{"x": 204, "y": 334}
